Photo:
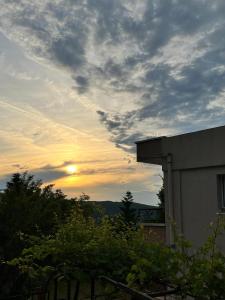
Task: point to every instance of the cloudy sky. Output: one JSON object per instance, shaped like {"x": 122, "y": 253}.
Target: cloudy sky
{"x": 82, "y": 80}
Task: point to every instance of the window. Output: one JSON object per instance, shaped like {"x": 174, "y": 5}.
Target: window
{"x": 221, "y": 191}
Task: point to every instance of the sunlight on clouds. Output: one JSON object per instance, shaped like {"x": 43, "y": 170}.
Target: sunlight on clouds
{"x": 148, "y": 68}
{"x": 120, "y": 175}
{"x": 99, "y": 185}
{"x": 34, "y": 135}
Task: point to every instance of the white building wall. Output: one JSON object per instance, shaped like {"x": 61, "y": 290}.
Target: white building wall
{"x": 195, "y": 159}
{"x": 195, "y": 196}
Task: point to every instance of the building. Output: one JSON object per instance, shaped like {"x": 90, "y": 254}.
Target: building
{"x": 152, "y": 222}
{"x": 194, "y": 178}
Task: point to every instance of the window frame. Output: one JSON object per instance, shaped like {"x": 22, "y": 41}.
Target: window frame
{"x": 221, "y": 191}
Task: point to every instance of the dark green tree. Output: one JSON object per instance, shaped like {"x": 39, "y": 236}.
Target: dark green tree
{"x": 88, "y": 209}
{"x": 161, "y": 204}
{"x": 26, "y": 209}
{"x": 128, "y": 213}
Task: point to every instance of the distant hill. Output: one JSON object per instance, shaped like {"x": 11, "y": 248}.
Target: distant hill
{"x": 113, "y": 208}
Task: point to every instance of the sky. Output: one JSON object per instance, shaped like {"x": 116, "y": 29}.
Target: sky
{"x": 82, "y": 80}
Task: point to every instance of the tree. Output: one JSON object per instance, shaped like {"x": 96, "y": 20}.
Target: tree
{"x": 83, "y": 246}
{"x": 161, "y": 204}
{"x": 161, "y": 197}
{"x": 27, "y": 209}
{"x": 128, "y": 213}
{"x": 88, "y": 209}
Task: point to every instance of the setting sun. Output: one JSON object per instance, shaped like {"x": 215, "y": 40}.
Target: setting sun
{"x": 71, "y": 169}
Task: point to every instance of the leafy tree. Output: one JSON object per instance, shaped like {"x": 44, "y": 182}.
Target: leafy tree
{"x": 27, "y": 209}
{"x": 199, "y": 273}
{"x": 161, "y": 204}
{"x": 128, "y": 213}
{"x": 88, "y": 209}
{"x": 83, "y": 246}
{"x": 161, "y": 197}
{"x": 71, "y": 237}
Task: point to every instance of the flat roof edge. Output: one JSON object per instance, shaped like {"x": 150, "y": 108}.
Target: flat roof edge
{"x": 150, "y": 139}
{"x": 182, "y": 134}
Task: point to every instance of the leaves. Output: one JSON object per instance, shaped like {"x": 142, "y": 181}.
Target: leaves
{"x": 50, "y": 234}
{"x": 87, "y": 245}
{"x": 200, "y": 273}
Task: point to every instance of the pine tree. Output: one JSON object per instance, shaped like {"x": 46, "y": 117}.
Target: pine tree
{"x": 128, "y": 213}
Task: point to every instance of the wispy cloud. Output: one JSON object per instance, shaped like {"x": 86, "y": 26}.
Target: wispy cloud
{"x": 166, "y": 57}
{"x": 117, "y": 70}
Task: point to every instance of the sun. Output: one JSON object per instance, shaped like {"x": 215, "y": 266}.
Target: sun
{"x": 71, "y": 169}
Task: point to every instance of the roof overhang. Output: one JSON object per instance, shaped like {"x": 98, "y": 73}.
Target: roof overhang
{"x": 150, "y": 151}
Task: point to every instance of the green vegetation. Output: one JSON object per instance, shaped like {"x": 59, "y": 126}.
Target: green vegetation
{"x": 84, "y": 245}
{"x": 29, "y": 210}
{"x": 112, "y": 208}
{"x": 199, "y": 273}
{"x": 41, "y": 230}
{"x": 128, "y": 213}
{"x": 161, "y": 204}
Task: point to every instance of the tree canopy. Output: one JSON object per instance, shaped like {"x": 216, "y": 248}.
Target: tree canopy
{"x": 30, "y": 209}
{"x": 40, "y": 230}
{"x": 27, "y": 207}
{"x": 128, "y": 213}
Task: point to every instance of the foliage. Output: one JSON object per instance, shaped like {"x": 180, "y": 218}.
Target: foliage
{"x": 26, "y": 207}
{"x": 128, "y": 213}
{"x": 161, "y": 204}
{"x": 88, "y": 208}
{"x": 111, "y": 208}
{"x": 84, "y": 245}
{"x": 41, "y": 232}
{"x": 205, "y": 277}
{"x": 29, "y": 212}
{"x": 199, "y": 273}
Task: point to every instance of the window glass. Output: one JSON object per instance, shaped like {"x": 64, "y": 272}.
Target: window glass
{"x": 221, "y": 191}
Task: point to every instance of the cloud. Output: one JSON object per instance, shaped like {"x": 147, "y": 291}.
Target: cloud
{"x": 82, "y": 84}
{"x": 164, "y": 59}
{"x": 121, "y": 128}
{"x": 45, "y": 175}
{"x": 56, "y": 171}
{"x": 110, "y": 170}
{"x": 53, "y": 167}
{"x": 19, "y": 166}
{"x": 48, "y": 175}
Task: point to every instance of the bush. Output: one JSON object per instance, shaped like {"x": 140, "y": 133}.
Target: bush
{"x": 200, "y": 274}
{"x": 84, "y": 245}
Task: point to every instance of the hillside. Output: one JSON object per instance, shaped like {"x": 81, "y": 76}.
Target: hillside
{"x": 113, "y": 208}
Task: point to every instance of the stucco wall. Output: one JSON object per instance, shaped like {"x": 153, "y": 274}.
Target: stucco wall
{"x": 197, "y": 149}
{"x": 196, "y": 201}
{"x": 191, "y": 163}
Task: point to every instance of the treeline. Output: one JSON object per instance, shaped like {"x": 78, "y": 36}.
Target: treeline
{"x": 29, "y": 211}
{"x": 42, "y": 233}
